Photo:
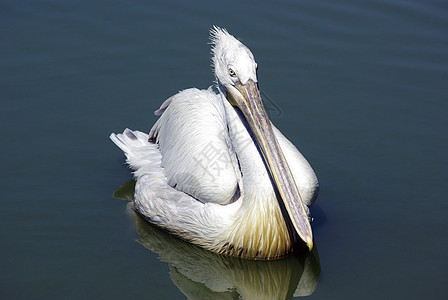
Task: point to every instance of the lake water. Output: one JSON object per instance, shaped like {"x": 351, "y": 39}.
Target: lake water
{"x": 360, "y": 87}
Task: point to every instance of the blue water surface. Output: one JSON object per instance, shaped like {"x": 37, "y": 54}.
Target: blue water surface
{"x": 360, "y": 87}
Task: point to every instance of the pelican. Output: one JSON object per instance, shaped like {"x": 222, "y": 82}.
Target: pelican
{"x": 216, "y": 172}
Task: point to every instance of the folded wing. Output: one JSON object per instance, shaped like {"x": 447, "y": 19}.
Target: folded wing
{"x": 197, "y": 155}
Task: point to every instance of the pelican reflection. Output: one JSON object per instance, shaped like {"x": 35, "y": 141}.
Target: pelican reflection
{"x": 202, "y": 274}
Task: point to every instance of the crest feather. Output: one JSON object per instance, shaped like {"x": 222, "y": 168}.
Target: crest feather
{"x": 220, "y": 37}
{"x": 216, "y": 34}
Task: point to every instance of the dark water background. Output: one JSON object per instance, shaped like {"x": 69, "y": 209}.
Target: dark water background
{"x": 361, "y": 87}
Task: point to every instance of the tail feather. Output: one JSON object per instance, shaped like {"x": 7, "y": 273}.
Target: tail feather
{"x": 138, "y": 150}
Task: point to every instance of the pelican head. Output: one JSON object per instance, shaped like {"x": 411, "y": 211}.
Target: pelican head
{"x": 236, "y": 73}
{"x": 232, "y": 61}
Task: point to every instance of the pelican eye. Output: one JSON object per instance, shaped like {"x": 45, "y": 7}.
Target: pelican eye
{"x": 231, "y": 72}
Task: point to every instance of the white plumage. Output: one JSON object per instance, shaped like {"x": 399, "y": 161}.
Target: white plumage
{"x": 205, "y": 173}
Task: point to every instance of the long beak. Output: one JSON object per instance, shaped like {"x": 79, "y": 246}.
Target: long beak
{"x": 247, "y": 98}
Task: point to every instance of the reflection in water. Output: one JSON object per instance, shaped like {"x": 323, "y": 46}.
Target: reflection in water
{"x": 201, "y": 274}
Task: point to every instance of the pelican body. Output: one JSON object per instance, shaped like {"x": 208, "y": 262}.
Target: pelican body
{"x": 216, "y": 172}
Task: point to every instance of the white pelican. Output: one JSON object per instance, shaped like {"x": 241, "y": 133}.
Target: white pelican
{"x": 215, "y": 171}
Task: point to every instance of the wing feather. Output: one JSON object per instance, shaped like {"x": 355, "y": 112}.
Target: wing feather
{"x": 197, "y": 155}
